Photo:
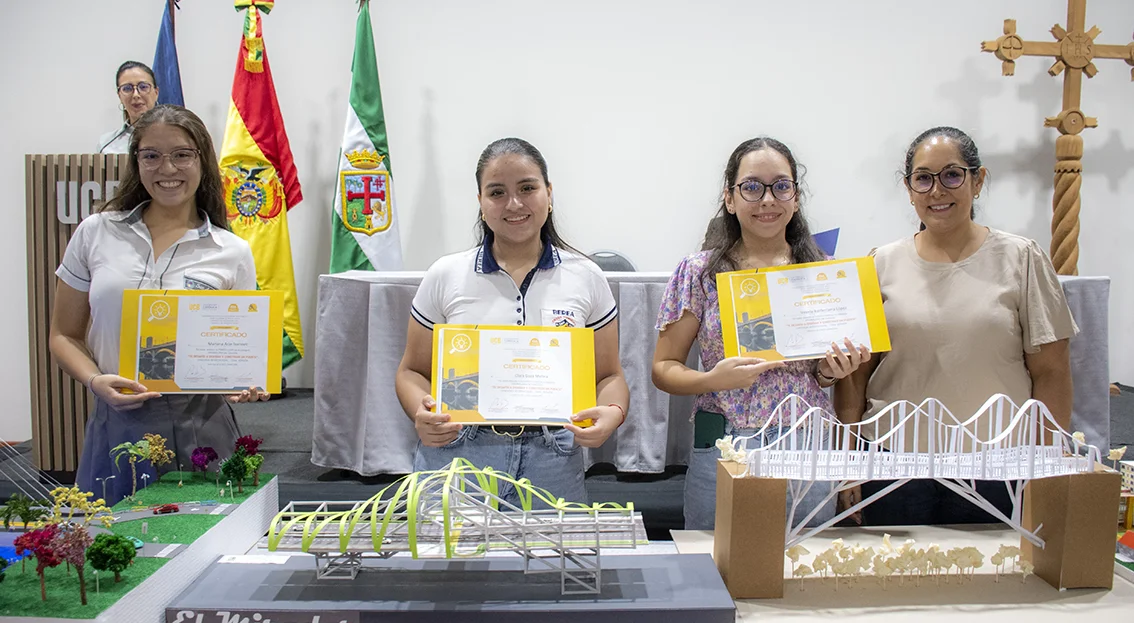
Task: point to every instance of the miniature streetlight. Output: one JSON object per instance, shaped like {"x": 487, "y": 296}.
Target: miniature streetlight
{"x": 145, "y": 480}
{"x": 103, "y": 481}
{"x": 230, "y": 493}
{"x": 180, "y": 474}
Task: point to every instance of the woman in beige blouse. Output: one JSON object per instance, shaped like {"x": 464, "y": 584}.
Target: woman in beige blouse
{"x": 972, "y": 312}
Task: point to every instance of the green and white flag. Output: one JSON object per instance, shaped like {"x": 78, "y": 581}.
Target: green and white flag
{"x": 365, "y": 225}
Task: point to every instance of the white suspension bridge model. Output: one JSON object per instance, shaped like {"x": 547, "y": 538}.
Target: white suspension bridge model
{"x": 906, "y": 441}
{"x": 458, "y": 513}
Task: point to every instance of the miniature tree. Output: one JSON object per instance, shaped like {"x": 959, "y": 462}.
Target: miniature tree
{"x": 250, "y": 444}
{"x": 76, "y": 500}
{"x": 39, "y": 543}
{"x": 253, "y": 464}
{"x": 70, "y": 544}
{"x": 135, "y": 452}
{"x": 111, "y": 552}
{"x": 236, "y": 468}
{"x": 202, "y": 456}
{"x": 23, "y": 507}
{"x": 158, "y": 455}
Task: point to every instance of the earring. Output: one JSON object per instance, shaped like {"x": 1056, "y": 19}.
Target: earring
{"x": 550, "y": 208}
{"x": 976, "y": 196}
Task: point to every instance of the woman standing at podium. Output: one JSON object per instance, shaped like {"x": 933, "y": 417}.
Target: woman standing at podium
{"x": 137, "y": 93}
{"x": 166, "y": 229}
{"x": 522, "y": 273}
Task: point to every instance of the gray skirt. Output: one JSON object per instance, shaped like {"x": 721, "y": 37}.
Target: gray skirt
{"x": 186, "y": 422}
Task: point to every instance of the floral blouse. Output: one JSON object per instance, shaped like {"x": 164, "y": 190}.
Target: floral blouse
{"x": 745, "y": 408}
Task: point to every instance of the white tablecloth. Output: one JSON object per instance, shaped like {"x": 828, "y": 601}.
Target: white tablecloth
{"x": 361, "y": 325}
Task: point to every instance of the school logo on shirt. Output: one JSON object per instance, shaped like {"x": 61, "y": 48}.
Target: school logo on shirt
{"x": 197, "y": 284}
{"x": 559, "y": 318}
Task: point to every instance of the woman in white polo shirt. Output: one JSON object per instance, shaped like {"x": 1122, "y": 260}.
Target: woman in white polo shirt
{"x": 521, "y": 274}
{"x": 166, "y": 229}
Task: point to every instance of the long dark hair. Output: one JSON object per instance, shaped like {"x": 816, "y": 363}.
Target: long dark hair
{"x": 965, "y": 145}
{"x": 210, "y": 192}
{"x": 520, "y": 147}
{"x": 128, "y": 65}
{"x": 724, "y": 229}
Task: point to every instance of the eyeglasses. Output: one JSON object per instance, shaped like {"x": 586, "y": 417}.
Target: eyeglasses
{"x": 151, "y": 159}
{"x": 753, "y": 190}
{"x": 950, "y": 177}
{"x": 128, "y": 89}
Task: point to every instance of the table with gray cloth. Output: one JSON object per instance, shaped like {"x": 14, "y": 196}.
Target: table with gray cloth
{"x": 361, "y": 334}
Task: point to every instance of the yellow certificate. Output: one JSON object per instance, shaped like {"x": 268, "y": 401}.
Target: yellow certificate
{"x": 202, "y": 341}
{"x": 513, "y": 375}
{"x": 795, "y": 312}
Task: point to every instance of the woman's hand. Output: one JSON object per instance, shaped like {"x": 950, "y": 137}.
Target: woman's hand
{"x": 739, "y": 372}
{"x": 847, "y": 499}
{"x": 605, "y": 420}
{"x": 434, "y": 429}
{"x": 109, "y": 388}
{"x": 252, "y": 394}
{"x": 839, "y": 365}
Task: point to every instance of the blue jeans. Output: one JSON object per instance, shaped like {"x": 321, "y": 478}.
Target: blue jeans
{"x": 548, "y": 457}
{"x": 701, "y": 486}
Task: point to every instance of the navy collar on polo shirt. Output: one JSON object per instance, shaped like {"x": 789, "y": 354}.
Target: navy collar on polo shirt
{"x": 486, "y": 263}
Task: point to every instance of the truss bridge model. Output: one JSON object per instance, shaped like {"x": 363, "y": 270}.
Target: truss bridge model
{"x": 1020, "y": 445}
{"x": 458, "y": 512}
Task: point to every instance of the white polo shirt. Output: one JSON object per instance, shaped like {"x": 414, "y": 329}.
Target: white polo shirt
{"x": 112, "y": 251}
{"x": 564, "y": 289}
{"x": 116, "y": 141}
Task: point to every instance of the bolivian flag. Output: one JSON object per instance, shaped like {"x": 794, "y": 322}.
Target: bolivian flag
{"x": 260, "y": 183}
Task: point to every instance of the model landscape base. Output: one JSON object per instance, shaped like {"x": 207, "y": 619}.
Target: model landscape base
{"x": 683, "y": 588}
{"x": 234, "y": 534}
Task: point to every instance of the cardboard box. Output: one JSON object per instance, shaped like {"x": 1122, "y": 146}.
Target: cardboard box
{"x": 748, "y": 542}
{"x": 1077, "y": 517}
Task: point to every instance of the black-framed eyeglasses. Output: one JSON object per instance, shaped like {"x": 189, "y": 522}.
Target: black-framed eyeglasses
{"x": 754, "y": 190}
{"x": 151, "y": 159}
{"x": 128, "y": 89}
{"x": 950, "y": 177}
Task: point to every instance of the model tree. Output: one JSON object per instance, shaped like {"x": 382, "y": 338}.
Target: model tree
{"x": 75, "y": 500}
{"x": 158, "y": 454}
{"x": 70, "y": 544}
{"x": 22, "y": 507}
{"x": 202, "y": 456}
{"x": 111, "y": 552}
{"x": 40, "y": 544}
{"x": 134, "y": 452}
{"x": 255, "y": 460}
{"x": 236, "y": 468}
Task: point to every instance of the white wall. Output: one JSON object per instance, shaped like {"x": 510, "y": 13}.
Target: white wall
{"x": 635, "y": 103}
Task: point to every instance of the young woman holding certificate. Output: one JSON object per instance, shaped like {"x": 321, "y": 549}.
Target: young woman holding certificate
{"x": 972, "y": 312}
{"x": 522, "y": 273}
{"x": 165, "y": 230}
{"x": 761, "y": 224}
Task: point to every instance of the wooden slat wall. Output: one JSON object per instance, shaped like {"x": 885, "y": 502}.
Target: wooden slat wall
{"x": 59, "y": 404}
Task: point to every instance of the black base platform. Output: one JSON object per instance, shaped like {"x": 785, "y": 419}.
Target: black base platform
{"x": 683, "y": 588}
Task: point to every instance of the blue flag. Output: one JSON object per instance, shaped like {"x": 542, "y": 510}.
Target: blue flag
{"x": 827, "y": 240}
{"x": 166, "y": 70}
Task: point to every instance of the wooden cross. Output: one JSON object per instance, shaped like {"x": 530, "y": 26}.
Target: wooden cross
{"x": 1074, "y": 51}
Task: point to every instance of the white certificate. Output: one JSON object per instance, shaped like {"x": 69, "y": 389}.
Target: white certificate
{"x": 218, "y": 348}
{"x": 810, "y": 313}
{"x": 524, "y": 377}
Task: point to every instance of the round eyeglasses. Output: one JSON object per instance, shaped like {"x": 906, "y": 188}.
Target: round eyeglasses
{"x": 151, "y": 159}
{"x": 753, "y": 190}
{"x": 141, "y": 87}
{"x": 950, "y": 177}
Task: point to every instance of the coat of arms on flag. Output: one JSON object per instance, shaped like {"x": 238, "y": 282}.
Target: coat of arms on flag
{"x": 252, "y": 191}
{"x": 365, "y": 193}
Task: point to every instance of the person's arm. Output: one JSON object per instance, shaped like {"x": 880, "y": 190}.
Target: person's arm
{"x": 1050, "y": 369}
{"x": 68, "y": 344}
{"x": 672, "y": 376}
{"x": 610, "y": 389}
{"x": 412, "y": 385}
{"x": 850, "y": 392}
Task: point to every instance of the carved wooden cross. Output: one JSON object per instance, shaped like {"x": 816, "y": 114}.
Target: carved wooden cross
{"x": 1074, "y": 50}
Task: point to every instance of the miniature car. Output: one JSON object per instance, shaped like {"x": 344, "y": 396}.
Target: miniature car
{"x": 166, "y": 508}
{"x": 136, "y": 541}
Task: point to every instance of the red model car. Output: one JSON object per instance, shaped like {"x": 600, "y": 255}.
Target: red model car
{"x": 166, "y": 508}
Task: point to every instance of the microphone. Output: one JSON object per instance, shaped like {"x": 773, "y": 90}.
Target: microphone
{"x": 120, "y": 133}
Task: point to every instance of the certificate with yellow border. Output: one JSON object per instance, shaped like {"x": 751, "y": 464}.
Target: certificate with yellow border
{"x": 202, "y": 342}
{"x": 795, "y": 312}
{"x": 513, "y": 375}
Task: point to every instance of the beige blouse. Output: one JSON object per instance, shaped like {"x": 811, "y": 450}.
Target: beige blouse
{"x": 959, "y": 331}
